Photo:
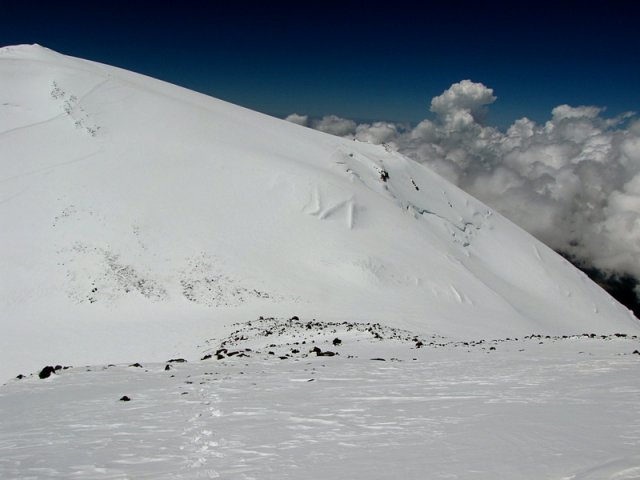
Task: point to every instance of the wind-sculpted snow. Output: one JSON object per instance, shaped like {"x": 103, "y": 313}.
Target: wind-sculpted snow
{"x": 266, "y": 402}
{"x": 138, "y": 217}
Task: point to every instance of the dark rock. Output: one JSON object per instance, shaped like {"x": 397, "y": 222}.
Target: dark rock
{"x": 336, "y": 342}
{"x": 326, "y": 354}
{"x": 177, "y": 360}
{"x": 57, "y": 367}
{"x": 125, "y": 399}
{"x": 206, "y": 357}
{"x": 492, "y": 348}
{"x": 137, "y": 365}
{"x": 46, "y": 372}
{"x": 20, "y": 377}
{"x": 294, "y": 318}
{"x": 419, "y": 344}
{"x": 374, "y": 333}
{"x": 379, "y": 359}
{"x": 167, "y": 368}
{"x": 636, "y": 352}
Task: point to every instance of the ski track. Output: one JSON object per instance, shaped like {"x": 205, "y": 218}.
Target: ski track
{"x": 451, "y": 413}
{"x": 51, "y": 167}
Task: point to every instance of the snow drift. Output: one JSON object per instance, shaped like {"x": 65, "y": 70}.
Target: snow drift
{"x": 139, "y": 217}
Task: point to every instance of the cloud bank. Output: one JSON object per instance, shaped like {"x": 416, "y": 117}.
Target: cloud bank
{"x": 573, "y": 182}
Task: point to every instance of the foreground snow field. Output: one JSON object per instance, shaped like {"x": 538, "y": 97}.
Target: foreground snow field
{"x": 383, "y": 407}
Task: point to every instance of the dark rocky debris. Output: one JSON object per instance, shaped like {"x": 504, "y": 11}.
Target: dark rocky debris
{"x": 47, "y": 371}
{"x": 287, "y": 336}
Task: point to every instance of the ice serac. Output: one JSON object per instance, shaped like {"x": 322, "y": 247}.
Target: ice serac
{"x": 139, "y": 218}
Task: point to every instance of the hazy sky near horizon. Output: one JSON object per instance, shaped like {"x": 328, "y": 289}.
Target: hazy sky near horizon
{"x": 364, "y": 62}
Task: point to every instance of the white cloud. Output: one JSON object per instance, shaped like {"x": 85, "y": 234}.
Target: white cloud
{"x": 298, "y": 119}
{"x": 378, "y": 132}
{"x": 462, "y": 101}
{"x": 335, "y": 125}
{"x": 565, "y": 111}
{"x": 574, "y": 181}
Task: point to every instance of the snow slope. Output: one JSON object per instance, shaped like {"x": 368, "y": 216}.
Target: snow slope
{"x": 138, "y": 218}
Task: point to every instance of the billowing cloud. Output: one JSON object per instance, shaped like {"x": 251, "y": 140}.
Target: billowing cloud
{"x": 574, "y": 181}
{"x": 462, "y": 102}
{"x": 298, "y": 119}
{"x": 378, "y": 132}
{"x": 335, "y": 125}
{"x": 332, "y": 124}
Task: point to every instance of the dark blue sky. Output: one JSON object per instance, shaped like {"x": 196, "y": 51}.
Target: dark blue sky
{"x": 359, "y": 61}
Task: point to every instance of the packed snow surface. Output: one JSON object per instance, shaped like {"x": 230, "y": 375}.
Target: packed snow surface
{"x": 261, "y": 404}
{"x": 139, "y": 217}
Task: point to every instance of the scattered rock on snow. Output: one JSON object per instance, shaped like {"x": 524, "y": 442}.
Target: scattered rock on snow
{"x": 46, "y": 372}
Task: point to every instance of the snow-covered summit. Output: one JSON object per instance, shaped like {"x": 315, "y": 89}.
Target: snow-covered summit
{"x": 139, "y": 217}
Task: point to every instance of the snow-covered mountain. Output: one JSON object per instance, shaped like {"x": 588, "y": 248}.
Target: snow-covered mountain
{"x": 139, "y": 218}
